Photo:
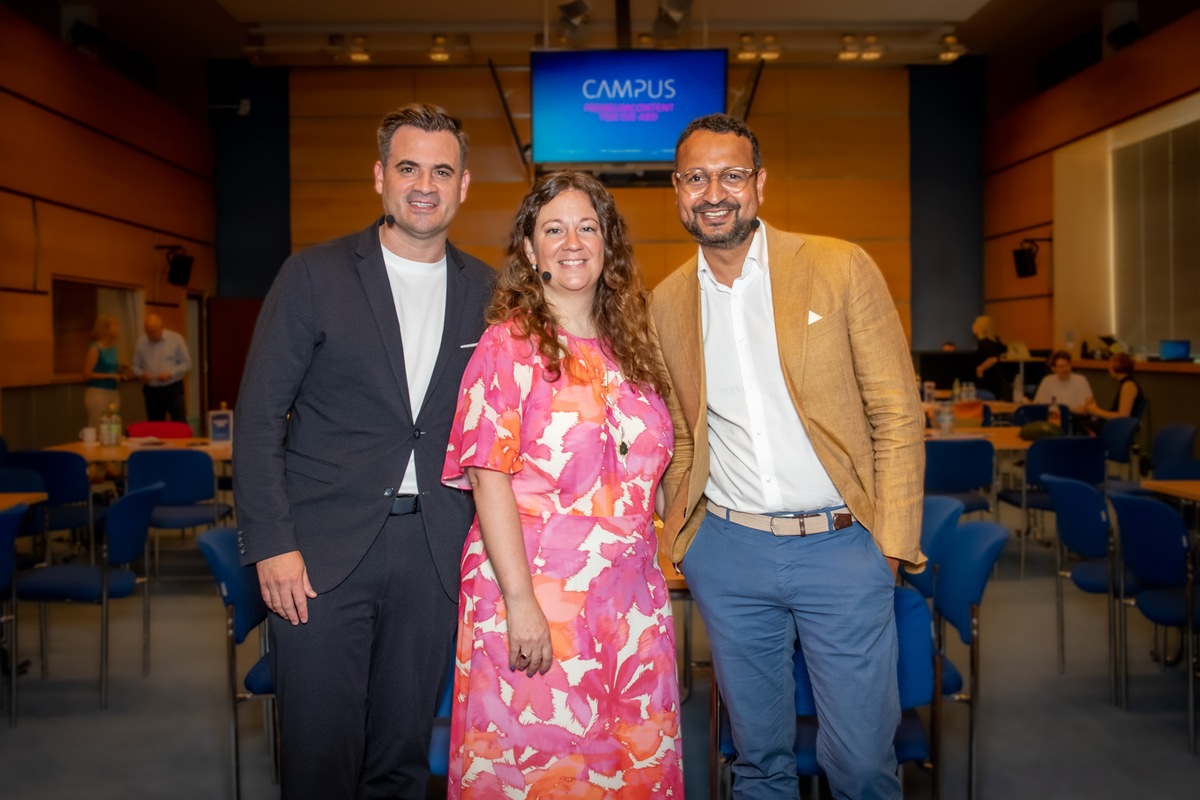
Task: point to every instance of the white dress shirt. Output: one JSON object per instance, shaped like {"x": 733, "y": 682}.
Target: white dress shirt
{"x": 761, "y": 459}
{"x": 419, "y": 292}
{"x": 1072, "y": 393}
{"x": 168, "y": 354}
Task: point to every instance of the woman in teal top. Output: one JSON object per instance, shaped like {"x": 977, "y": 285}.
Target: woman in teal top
{"x": 102, "y": 369}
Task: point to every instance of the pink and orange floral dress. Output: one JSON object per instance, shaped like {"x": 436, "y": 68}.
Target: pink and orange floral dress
{"x": 585, "y": 452}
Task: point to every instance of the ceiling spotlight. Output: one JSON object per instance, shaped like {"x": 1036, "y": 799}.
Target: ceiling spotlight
{"x": 849, "y": 51}
{"x": 438, "y": 51}
{"x": 872, "y": 50}
{"x": 770, "y": 49}
{"x": 748, "y": 47}
{"x": 951, "y": 49}
{"x": 358, "y": 50}
{"x": 573, "y": 24}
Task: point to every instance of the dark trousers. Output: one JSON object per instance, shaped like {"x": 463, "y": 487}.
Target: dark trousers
{"x": 165, "y": 400}
{"x": 358, "y": 683}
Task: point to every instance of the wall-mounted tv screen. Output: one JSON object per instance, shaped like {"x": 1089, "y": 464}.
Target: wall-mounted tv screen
{"x": 620, "y": 109}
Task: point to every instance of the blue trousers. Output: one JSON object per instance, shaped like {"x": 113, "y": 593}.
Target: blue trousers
{"x": 833, "y": 592}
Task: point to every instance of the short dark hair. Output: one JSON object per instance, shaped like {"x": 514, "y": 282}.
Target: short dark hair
{"x": 425, "y": 117}
{"x": 1056, "y": 355}
{"x": 721, "y": 123}
{"x": 1121, "y": 363}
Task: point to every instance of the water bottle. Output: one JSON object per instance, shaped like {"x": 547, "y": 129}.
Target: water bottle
{"x": 956, "y": 391}
{"x": 110, "y": 426}
{"x": 946, "y": 418}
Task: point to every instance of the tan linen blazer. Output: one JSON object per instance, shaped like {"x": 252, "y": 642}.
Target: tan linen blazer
{"x": 849, "y": 375}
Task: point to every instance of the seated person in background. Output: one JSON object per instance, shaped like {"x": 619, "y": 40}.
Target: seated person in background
{"x": 1130, "y": 400}
{"x": 988, "y": 372}
{"x": 1063, "y": 386}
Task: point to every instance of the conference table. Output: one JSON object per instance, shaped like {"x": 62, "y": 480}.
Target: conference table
{"x": 13, "y": 499}
{"x": 96, "y": 453}
{"x": 1184, "y": 490}
{"x": 1002, "y": 437}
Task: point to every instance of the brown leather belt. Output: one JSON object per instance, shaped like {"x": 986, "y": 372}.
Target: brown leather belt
{"x": 788, "y": 525}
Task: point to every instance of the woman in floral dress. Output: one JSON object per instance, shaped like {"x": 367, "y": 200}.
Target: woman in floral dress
{"x": 566, "y": 680}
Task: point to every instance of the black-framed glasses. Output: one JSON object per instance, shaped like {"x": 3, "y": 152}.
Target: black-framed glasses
{"x": 732, "y": 179}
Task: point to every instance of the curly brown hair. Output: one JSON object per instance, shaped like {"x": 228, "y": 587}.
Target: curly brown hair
{"x": 620, "y": 307}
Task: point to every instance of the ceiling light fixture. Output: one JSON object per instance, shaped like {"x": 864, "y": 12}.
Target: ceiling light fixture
{"x": 438, "y": 51}
{"x": 748, "y": 49}
{"x": 358, "y": 50}
{"x": 951, "y": 49}
{"x": 849, "y": 51}
{"x": 770, "y": 49}
{"x": 872, "y": 49}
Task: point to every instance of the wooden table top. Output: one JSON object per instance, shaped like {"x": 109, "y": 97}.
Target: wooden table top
{"x": 1187, "y": 490}
{"x": 13, "y": 499}
{"x": 1004, "y": 437}
{"x": 99, "y": 453}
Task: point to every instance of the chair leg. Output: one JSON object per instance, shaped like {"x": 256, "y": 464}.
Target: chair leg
{"x": 13, "y": 659}
{"x": 1058, "y": 607}
{"x": 44, "y": 636}
{"x": 104, "y": 649}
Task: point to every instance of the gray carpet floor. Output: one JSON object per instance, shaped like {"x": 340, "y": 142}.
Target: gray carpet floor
{"x": 1041, "y": 734}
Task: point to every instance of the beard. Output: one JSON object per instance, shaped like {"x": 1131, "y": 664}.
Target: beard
{"x": 738, "y": 232}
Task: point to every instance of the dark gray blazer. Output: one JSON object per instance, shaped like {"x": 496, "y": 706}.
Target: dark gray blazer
{"x": 323, "y": 424}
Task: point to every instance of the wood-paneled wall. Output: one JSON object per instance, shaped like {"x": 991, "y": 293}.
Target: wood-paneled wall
{"x": 1019, "y": 162}
{"x": 96, "y": 172}
{"x": 835, "y": 146}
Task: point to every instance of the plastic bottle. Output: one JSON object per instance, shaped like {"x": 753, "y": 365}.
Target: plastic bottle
{"x": 110, "y": 426}
{"x": 956, "y": 391}
{"x": 945, "y": 418}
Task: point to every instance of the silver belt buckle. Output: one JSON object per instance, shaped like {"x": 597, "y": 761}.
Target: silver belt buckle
{"x": 799, "y": 518}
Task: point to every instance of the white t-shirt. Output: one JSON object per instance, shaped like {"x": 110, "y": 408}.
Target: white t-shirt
{"x": 1072, "y": 393}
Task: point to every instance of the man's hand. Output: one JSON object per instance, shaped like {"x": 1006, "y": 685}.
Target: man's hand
{"x": 285, "y": 587}
{"x": 164, "y": 376}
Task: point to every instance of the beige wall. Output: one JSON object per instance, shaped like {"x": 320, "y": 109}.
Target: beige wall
{"x": 835, "y": 145}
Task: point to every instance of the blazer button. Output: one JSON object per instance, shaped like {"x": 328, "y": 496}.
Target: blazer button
{"x": 389, "y": 491}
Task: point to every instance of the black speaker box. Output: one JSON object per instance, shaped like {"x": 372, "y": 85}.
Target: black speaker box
{"x": 1026, "y": 262}
{"x": 179, "y": 269}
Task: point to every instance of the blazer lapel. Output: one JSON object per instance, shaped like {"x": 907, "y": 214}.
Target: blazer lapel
{"x": 373, "y": 274}
{"x": 791, "y": 298}
{"x": 456, "y": 298}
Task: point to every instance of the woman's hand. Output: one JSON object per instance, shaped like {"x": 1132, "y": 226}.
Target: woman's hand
{"x": 528, "y": 637}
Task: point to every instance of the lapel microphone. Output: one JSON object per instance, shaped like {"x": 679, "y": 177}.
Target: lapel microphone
{"x": 754, "y": 223}
{"x": 390, "y": 220}
{"x": 546, "y": 276}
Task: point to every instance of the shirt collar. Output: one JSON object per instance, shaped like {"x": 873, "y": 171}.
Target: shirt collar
{"x": 756, "y": 258}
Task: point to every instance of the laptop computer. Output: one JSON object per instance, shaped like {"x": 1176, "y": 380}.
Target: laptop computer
{"x": 1175, "y": 349}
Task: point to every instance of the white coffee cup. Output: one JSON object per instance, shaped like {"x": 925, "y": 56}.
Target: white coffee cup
{"x": 88, "y": 435}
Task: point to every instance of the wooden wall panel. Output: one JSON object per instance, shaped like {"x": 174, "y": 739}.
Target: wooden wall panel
{"x": 323, "y": 210}
{"x": 849, "y": 209}
{"x": 850, "y": 145}
{"x": 343, "y": 93}
{"x": 53, "y": 158}
{"x": 649, "y": 214}
{"x": 333, "y": 148}
{"x": 831, "y": 92}
{"x": 35, "y": 64}
{"x": 486, "y": 218}
{"x": 26, "y": 339}
{"x": 17, "y": 242}
{"x": 1020, "y": 197}
{"x": 894, "y": 258}
{"x": 1023, "y": 320}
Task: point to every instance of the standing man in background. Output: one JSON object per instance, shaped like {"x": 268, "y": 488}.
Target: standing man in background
{"x": 160, "y": 361}
{"x": 343, "y": 417}
{"x": 795, "y": 490}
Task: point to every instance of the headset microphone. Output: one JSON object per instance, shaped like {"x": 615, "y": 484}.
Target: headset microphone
{"x": 546, "y": 276}
{"x": 754, "y": 223}
{"x": 389, "y": 219}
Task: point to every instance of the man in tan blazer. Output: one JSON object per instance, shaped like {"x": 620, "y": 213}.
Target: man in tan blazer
{"x": 795, "y": 490}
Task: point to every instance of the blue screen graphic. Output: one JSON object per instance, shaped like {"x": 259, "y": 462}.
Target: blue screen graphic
{"x": 620, "y": 106}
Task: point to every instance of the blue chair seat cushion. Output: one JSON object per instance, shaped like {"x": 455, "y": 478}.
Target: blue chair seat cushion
{"x": 258, "y": 679}
{"x": 952, "y": 679}
{"x": 972, "y": 501}
{"x": 911, "y": 742}
{"x": 1167, "y": 606}
{"x": 73, "y": 582}
{"x": 1092, "y": 576}
{"x": 190, "y": 516}
{"x": 1033, "y": 499}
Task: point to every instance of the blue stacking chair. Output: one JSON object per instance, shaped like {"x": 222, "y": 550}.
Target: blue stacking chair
{"x": 1084, "y": 531}
{"x": 962, "y": 570}
{"x": 10, "y": 525}
{"x": 961, "y": 468}
{"x": 1156, "y": 549}
{"x": 70, "y": 506}
{"x": 939, "y": 517}
{"x": 1078, "y": 457}
{"x": 439, "y": 742}
{"x": 1039, "y": 412}
{"x": 1172, "y": 449}
{"x": 1119, "y": 436}
{"x": 19, "y": 479}
{"x": 245, "y": 612}
{"x": 189, "y": 499}
{"x": 123, "y": 541}
{"x": 915, "y": 672}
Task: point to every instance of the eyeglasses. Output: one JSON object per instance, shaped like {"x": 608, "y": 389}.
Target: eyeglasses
{"x": 732, "y": 179}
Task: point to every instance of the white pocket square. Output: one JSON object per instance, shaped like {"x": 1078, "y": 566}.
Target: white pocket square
{"x": 813, "y": 317}
{"x": 467, "y": 346}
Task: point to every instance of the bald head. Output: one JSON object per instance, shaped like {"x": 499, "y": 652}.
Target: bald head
{"x": 154, "y": 327}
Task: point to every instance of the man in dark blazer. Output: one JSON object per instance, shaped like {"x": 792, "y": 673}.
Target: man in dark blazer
{"x": 342, "y": 418}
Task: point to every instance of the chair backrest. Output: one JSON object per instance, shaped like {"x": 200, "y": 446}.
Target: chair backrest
{"x": 238, "y": 585}
{"x": 1182, "y": 469}
{"x": 166, "y": 429}
{"x": 964, "y": 566}
{"x": 127, "y": 524}
{"x": 65, "y": 474}
{"x": 1077, "y": 457}
{"x": 959, "y": 465}
{"x": 985, "y": 394}
{"x": 914, "y": 634}
{"x": 10, "y": 525}
{"x": 1081, "y": 516}
{"x": 939, "y": 518}
{"x": 3, "y": 450}
{"x": 188, "y": 474}
{"x": 1118, "y": 435}
{"x": 1154, "y": 540}
{"x": 1173, "y": 443}
{"x": 21, "y": 479}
